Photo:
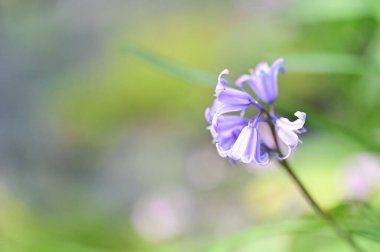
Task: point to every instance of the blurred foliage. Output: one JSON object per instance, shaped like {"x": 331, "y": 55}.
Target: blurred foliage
{"x": 309, "y": 232}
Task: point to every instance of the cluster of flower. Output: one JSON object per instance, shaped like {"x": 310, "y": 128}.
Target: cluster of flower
{"x": 239, "y": 138}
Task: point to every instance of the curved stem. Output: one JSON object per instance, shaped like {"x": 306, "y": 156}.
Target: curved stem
{"x": 327, "y": 217}
{"x": 324, "y": 215}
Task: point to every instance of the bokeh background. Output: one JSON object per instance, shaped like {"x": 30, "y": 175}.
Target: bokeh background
{"x": 103, "y": 142}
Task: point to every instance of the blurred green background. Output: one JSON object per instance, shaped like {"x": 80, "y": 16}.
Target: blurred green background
{"x": 103, "y": 143}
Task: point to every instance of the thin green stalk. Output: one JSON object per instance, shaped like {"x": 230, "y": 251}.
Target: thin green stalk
{"x": 327, "y": 217}
{"x": 324, "y": 215}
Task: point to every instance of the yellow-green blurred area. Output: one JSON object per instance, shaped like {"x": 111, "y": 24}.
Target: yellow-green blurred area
{"x": 103, "y": 141}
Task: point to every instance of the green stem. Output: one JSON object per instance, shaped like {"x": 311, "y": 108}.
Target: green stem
{"x": 324, "y": 215}
{"x": 328, "y": 218}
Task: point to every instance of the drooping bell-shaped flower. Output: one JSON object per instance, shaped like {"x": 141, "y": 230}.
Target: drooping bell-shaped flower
{"x": 247, "y": 147}
{"x": 263, "y": 80}
{"x": 226, "y": 129}
{"x": 230, "y": 99}
{"x": 287, "y": 131}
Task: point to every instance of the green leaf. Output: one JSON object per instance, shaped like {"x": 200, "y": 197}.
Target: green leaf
{"x": 192, "y": 75}
{"x": 315, "y": 63}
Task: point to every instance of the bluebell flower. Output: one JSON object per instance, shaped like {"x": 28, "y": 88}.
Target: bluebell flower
{"x": 263, "y": 80}
{"x": 287, "y": 131}
{"x": 247, "y": 147}
{"x": 237, "y": 137}
{"x": 225, "y": 131}
{"x": 230, "y": 99}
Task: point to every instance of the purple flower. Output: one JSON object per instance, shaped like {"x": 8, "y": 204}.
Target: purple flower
{"x": 246, "y": 147}
{"x": 238, "y": 138}
{"x": 226, "y": 129}
{"x": 263, "y": 80}
{"x": 287, "y": 131}
{"x": 230, "y": 99}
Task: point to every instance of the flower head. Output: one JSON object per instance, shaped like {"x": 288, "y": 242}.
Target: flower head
{"x": 237, "y": 137}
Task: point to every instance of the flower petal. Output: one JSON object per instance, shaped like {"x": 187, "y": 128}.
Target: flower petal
{"x": 225, "y": 145}
{"x": 226, "y": 126}
{"x": 222, "y": 83}
{"x": 243, "y": 79}
{"x": 277, "y": 66}
{"x": 240, "y": 146}
{"x": 227, "y": 122}
{"x": 210, "y": 112}
{"x": 288, "y": 152}
{"x": 296, "y": 125}
{"x": 234, "y": 96}
{"x": 262, "y": 68}
{"x": 264, "y": 80}
{"x": 247, "y": 147}
{"x": 288, "y": 137}
{"x": 287, "y": 132}
{"x": 253, "y": 154}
